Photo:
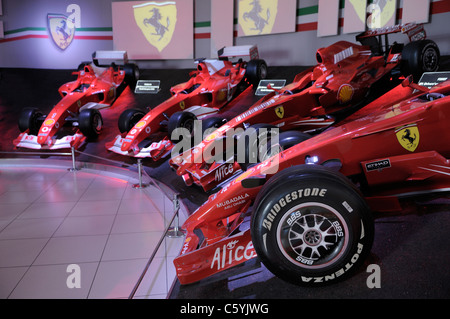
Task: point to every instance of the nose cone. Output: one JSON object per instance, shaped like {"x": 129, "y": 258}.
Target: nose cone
{"x": 45, "y": 130}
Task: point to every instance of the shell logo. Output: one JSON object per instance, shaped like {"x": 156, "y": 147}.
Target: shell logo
{"x": 345, "y": 93}
{"x": 140, "y": 124}
{"x": 49, "y": 122}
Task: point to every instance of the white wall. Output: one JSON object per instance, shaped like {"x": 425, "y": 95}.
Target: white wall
{"x": 28, "y": 19}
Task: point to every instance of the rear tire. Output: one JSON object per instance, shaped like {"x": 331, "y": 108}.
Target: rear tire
{"x": 310, "y": 226}
{"x": 256, "y": 71}
{"x": 419, "y": 57}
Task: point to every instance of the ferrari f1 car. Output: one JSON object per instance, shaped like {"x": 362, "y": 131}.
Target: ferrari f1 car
{"x": 312, "y": 204}
{"x": 209, "y": 91}
{"x": 319, "y": 96}
{"x": 76, "y": 117}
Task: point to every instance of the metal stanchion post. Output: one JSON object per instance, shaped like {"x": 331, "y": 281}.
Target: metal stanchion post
{"x": 176, "y": 231}
{"x": 74, "y": 168}
{"x": 140, "y": 185}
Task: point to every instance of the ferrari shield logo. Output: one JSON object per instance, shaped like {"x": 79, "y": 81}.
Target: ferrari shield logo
{"x": 408, "y": 136}
{"x": 157, "y": 22}
{"x": 62, "y": 30}
{"x": 279, "y": 111}
{"x": 257, "y": 16}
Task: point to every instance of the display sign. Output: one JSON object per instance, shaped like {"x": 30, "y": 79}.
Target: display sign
{"x": 258, "y": 17}
{"x": 154, "y": 29}
{"x": 147, "y": 86}
{"x": 262, "y": 87}
{"x": 430, "y": 79}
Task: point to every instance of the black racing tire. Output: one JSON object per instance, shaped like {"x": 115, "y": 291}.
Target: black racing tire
{"x": 256, "y": 70}
{"x": 310, "y": 226}
{"x": 285, "y": 140}
{"x": 210, "y": 124}
{"x": 30, "y": 118}
{"x": 419, "y": 57}
{"x": 181, "y": 120}
{"x": 128, "y": 119}
{"x": 90, "y": 123}
{"x": 132, "y": 74}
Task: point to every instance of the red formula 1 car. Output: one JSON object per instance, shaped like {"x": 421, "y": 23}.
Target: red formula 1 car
{"x": 209, "y": 91}
{"x": 76, "y": 117}
{"x": 311, "y": 219}
{"x": 318, "y": 96}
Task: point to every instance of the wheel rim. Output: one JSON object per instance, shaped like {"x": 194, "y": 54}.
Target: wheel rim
{"x": 312, "y": 235}
{"x": 189, "y": 125}
{"x": 263, "y": 72}
{"x": 430, "y": 60}
{"x": 97, "y": 123}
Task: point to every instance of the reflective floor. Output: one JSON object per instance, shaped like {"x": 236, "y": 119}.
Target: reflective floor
{"x": 84, "y": 234}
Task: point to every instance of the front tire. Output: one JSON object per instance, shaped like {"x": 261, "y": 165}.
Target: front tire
{"x": 29, "y": 118}
{"x": 90, "y": 122}
{"x": 128, "y": 119}
{"x": 311, "y": 226}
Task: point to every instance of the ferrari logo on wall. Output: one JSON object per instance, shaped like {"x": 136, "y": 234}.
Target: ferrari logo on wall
{"x": 62, "y": 30}
{"x": 157, "y": 22}
{"x": 257, "y": 16}
{"x": 408, "y": 136}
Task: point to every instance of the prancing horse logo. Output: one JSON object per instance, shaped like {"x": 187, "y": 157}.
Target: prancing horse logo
{"x": 408, "y": 137}
{"x": 62, "y": 30}
{"x": 157, "y": 21}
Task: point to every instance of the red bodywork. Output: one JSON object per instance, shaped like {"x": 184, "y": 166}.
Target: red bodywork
{"x": 210, "y": 89}
{"x": 88, "y": 91}
{"x": 341, "y": 80}
{"x": 395, "y": 147}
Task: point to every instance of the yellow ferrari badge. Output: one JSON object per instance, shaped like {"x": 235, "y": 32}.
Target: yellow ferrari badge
{"x": 157, "y": 22}
{"x": 279, "y": 111}
{"x": 408, "y": 137}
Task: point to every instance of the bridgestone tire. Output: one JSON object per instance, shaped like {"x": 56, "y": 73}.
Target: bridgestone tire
{"x": 90, "y": 123}
{"x": 419, "y": 57}
{"x": 310, "y": 226}
{"x": 29, "y": 119}
{"x": 128, "y": 119}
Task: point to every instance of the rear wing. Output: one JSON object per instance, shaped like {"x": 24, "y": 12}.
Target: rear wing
{"x": 414, "y": 31}
{"x": 105, "y": 58}
{"x": 238, "y": 52}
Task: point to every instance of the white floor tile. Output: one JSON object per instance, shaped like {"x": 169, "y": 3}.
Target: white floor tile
{"x": 9, "y": 278}
{"x": 20, "y": 252}
{"x": 50, "y": 282}
{"x": 133, "y": 223}
{"x": 51, "y": 218}
{"x": 85, "y": 225}
{"x": 72, "y": 250}
{"x": 45, "y": 210}
{"x": 31, "y": 228}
